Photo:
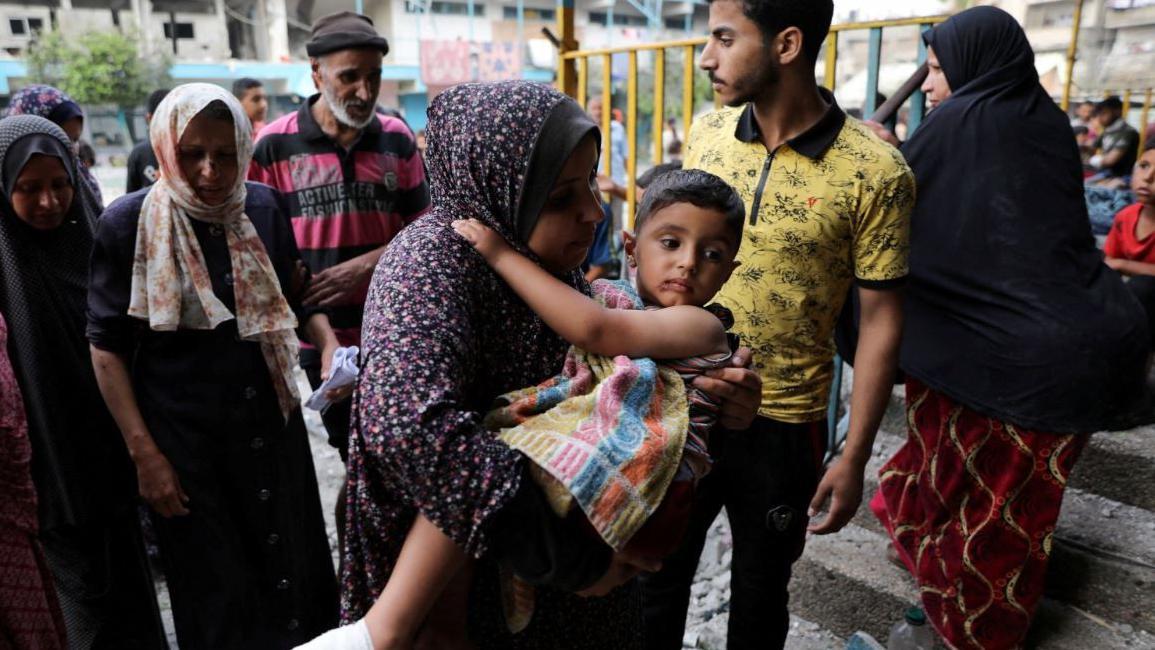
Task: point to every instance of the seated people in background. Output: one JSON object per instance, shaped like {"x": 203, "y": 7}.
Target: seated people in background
{"x": 143, "y": 169}
{"x": 1118, "y": 145}
{"x": 1086, "y": 131}
{"x": 1130, "y": 247}
{"x": 251, "y": 94}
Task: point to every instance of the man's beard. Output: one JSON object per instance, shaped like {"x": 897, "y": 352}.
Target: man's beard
{"x": 341, "y": 112}
{"x": 754, "y": 85}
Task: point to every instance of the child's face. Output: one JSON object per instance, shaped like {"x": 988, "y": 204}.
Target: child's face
{"x": 1143, "y": 178}
{"x": 683, "y": 254}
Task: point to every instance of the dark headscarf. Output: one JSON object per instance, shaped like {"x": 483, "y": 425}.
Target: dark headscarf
{"x": 504, "y": 185}
{"x": 78, "y": 457}
{"x": 1010, "y": 309}
{"x": 22, "y": 151}
{"x": 56, "y": 106}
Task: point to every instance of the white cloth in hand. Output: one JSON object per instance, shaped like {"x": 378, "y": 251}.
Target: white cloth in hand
{"x": 348, "y": 637}
{"x": 343, "y": 372}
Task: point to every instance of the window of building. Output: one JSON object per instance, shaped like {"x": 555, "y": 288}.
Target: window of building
{"x": 1122, "y": 5}
{"x": 183, "y": 30}
{"x": 677, "y": 22}
{"x": 531, "y": 13}
{"x": 445, "y": 7}
{"x": 620, "y": 20}
{"x": 25, "y": 26}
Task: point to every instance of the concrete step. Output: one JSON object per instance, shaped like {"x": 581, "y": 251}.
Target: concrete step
{"x": 1103, "y": 560}
{"x": 845, "y": 581}
{"x": 1117, "y": 465}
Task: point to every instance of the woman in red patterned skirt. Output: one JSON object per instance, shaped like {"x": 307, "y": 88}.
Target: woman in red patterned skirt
{"x": 1018, "y": 344}
{"x": 29, "y": 613}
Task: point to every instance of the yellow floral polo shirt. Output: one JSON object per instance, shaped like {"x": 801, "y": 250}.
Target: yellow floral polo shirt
{"x": 826, "y": 209}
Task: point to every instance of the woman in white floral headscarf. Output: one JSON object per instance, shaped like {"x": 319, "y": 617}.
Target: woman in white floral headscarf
{"x": 194, "y": 344}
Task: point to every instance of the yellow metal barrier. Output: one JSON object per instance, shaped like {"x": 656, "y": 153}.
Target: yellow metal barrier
{"x": 573, "y": 78}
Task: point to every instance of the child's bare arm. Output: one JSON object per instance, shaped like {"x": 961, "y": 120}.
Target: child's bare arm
{"x": 669, "y": 333}
{"x": 428, "y": 561}
{"x": 1130, "y": 267}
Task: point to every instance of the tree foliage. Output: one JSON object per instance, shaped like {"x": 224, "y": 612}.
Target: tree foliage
{"x": 97, "y": 68}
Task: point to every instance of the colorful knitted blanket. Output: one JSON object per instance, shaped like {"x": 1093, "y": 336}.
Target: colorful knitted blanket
{"x": 606, "y": 433}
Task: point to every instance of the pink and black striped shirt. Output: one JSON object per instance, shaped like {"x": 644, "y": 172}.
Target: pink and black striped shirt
{"x": 343, "y": 203}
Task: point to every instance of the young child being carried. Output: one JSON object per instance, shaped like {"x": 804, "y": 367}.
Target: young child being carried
{"x": 618, "y": 435}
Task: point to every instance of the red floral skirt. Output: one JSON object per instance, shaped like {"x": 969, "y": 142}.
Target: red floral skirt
{"x": 971, "y": 504}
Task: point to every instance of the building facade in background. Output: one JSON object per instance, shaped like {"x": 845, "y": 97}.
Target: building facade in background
{"x": 437, "y": 43}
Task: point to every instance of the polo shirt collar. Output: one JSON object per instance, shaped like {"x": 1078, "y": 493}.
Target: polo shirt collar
{"x": 310, "y": 130}
{"x": 812, "y": 142}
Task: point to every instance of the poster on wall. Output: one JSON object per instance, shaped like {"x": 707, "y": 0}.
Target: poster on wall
{"x": 498, "y": 61}
{"x": 445, "y": 63}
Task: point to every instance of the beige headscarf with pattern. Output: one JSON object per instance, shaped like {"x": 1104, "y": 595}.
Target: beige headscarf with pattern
{"x": 171, "y": 288}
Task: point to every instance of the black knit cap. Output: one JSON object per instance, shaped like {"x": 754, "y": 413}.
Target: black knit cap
{"x": 344, "y": 30}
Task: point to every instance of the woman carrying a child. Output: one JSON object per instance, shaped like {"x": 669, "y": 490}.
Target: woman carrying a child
{"x": 444, "y": 337}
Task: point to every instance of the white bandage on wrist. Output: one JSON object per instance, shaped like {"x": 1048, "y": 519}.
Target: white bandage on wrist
{"x": 348, "y": 637}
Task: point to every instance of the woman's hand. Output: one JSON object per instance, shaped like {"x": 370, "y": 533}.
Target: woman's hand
{"x": 487, "y": 242}
{"x": 335, "y": 394}
{"x": 737, "y": 387}
{"x": 623, "y": 567}
{"x": 159, "y": 485}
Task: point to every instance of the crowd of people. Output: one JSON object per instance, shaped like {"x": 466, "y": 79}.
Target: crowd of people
{"x": 535, "y": 453}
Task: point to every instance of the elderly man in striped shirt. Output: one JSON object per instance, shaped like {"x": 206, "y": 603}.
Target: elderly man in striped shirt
{"x": 351, "y": 179}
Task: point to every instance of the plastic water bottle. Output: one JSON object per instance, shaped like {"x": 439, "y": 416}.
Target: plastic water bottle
{"x": 863, "y": 641}
{"x": 911, "y": 633}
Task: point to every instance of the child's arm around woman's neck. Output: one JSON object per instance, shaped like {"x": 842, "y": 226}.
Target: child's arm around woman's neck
{"x": 667, "y": 333}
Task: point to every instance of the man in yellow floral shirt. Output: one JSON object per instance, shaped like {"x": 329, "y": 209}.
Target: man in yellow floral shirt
{"x": 828, "y": 207}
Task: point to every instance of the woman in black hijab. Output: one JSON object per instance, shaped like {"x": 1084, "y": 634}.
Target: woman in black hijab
{"x": 1018, "y": 343}
{"x": 83, "y": 477}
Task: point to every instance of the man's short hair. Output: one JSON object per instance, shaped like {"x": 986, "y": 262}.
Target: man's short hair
{"x": 1112, "y": 103}
{"x": 243, "y": 85}
{"x": 811, "y": 17}
{"x": 698, "y": 188}
{"x": 647, "y": 179}
{"x": 155, "y": 99}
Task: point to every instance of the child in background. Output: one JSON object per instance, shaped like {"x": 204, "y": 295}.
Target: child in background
{"x": 640, "y": 424}
{"x": 1130, "y": 247}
